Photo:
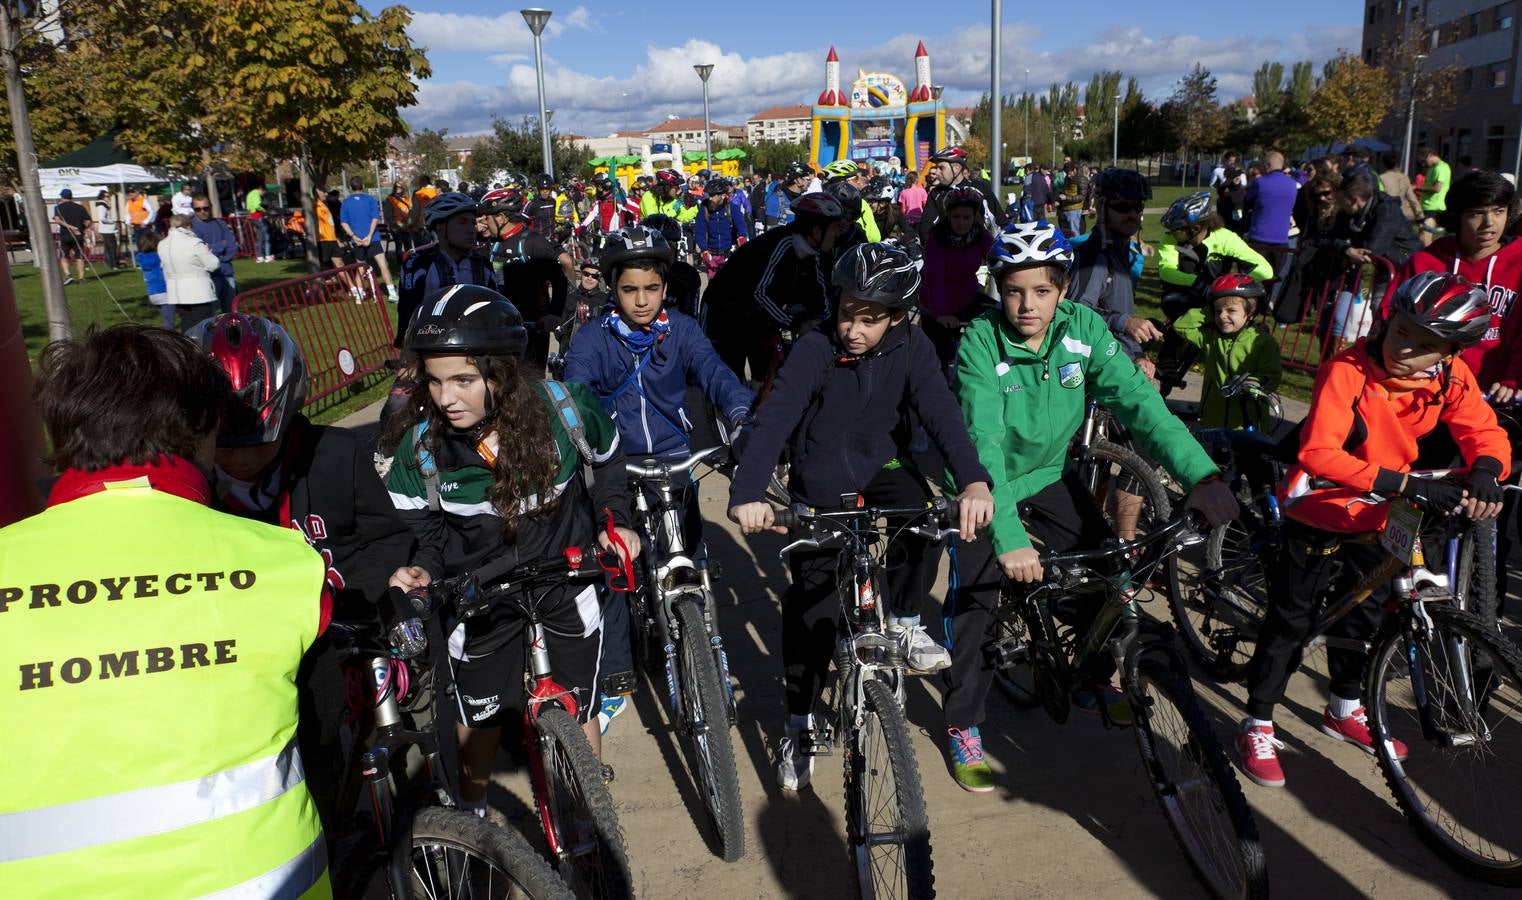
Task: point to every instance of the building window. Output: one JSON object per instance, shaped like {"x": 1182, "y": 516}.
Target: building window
{"x": 1397, "y": 8}
{"x": 1416, "y": 11}
{"x": 1503, "y": 16}
{"x": 1468, "y": 79}
{"x": 1498, "y": 74}
{"x": 1462, "y": 146}
{"x": 1474, "y": 24}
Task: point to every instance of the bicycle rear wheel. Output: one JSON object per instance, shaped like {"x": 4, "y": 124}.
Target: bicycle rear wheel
{"x": 577, "y": 810}
{"x": 1460, "y": 785}
{"x": 1196, "y": 787}
{"x": 887, "y": 829}
{"x": 454, "y": 854}
{"x": 705, "y": 727}
{"x": 1219, "y": 609}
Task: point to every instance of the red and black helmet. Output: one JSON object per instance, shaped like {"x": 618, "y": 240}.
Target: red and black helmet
{"x": 502, "y": 201}
{"x": 962, "y": 195}
{"x": 1447, "y": 305}
{"x": 668, "y": 177}
{"x": 950, "y": 155}
{"x": 1235, "y": 285}
{"x": 265, "y": 370}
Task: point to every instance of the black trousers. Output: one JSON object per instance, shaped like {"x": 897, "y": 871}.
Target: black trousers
{"x": 811, "y": 606}
{"x": 1298, "y": 584}
{"x": 1060, "y": 518}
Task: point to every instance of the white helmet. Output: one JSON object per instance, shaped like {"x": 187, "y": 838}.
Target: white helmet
{"x": 1029, "y": 244}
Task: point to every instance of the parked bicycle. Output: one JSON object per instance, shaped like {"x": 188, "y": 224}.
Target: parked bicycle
{"x": 1441, "y": 678}
{"x": 887, "y": 828}
{"x": 569, "y": 784}
{"x": 1040, "y": 658}
{"x": 414, "y": 842}
{"x": 677, "y": 640}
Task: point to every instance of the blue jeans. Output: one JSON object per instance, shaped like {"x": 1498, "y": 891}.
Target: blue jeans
{"x": 227, "y": 288}
{"x": 261, "y": 239}
{"x": 1072, "y": 222}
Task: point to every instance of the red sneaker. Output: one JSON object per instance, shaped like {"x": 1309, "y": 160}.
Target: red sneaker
{"x": 1258, "y": 751}
{"x": 1355, "y": 730}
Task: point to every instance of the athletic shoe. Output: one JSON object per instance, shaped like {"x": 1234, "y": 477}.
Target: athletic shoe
{"x": 391, "y": 293}
{"x": 794, "y": 768}
{"x": 1355, "y": 730}
{"x": 68, "y": 281}
{"x": 921, "y": 651}
{"x": 1258, "y": 751}
{"x": 967, "y": 766}
{"x": 1088, "y": 699}
{"x": 609, "y": 710}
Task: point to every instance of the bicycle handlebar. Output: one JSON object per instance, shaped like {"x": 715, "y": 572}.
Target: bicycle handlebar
{"x": 473, "y": 593}
{"x": 656, "y": 468}
{"x": 800, "y": 515}
{"x": 1055, "y": 561}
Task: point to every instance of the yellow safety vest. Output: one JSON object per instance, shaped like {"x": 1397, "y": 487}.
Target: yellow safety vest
{"x": 148, "y": 655}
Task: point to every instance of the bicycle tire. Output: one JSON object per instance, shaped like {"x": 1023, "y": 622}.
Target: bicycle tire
{"x": 598, "y": 864}
{"x": 892, "y": 753}
{"x": 1235, "y": 832}
{"x": 1124, "y": 461}
{"x": 1477, "y": 571}
{"x": 712, "y": 751}
{"x": 1499, "y": 792}
{"x": 1221, "y": 632}
{"x": 458, "y": 840}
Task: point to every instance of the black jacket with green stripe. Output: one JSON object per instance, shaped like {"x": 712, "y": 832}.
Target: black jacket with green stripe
{"x": 466, "y": 531}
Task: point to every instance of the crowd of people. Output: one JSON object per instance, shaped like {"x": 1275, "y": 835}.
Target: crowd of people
{"x": 890, "y": 339}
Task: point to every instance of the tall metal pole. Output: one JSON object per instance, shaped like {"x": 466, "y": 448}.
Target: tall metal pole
{"x": 59, "y": 326}
{"x": 537, "y": 19}
{"x": 996, "y": 94}
{"x": 1025, "y": 100}
{"x": 1115, "y": 136}
{"x": 704, "y": 70}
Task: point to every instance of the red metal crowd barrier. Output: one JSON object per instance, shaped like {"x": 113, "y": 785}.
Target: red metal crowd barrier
{"x": 243, "y": 230}
{"x": 338, "y": 317}
{"x": 1335, "y": 312}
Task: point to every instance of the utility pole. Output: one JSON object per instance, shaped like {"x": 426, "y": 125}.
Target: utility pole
{"x": 1405, "y": 154}
{"x": 1115, "y": 136}
{"x": 996, "y": 94}
{"x": 40, "y": 234}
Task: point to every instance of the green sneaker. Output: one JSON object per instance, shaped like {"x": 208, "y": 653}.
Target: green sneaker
{"x": 1089, "y": 698}
{"x": 967, "y": 765}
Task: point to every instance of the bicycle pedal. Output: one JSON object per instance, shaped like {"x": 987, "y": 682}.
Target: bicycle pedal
{"x": 621, "y": 684}
{"x": 607, "y": 774}
{"x": 817, "y": 741}
{"x": 1008, "y": 651}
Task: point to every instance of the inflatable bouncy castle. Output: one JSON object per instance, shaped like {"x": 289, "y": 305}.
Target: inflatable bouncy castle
{"x": 879, "y": 121}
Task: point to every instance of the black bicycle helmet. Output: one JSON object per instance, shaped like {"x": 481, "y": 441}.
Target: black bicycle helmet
{"x": 1122, "y": 184}
{"x": 880, "y": 188}
{"x": 796, "y": 170}
{"x": 631, "y": 243}
{"x": 466, "y": 320}
{"x": 669, "y": 228}
{"x": 716, "y": 186}
{"x": 545, "y": 180}
{"x": 445, "y": 206}
{"x": 880, "y": 273}
{"x": 846, "y": 194}
{"x": 962, "y": 195}
{"x": 817, "y": 208}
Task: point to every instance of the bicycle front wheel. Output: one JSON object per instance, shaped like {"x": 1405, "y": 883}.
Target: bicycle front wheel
{"x": 577, "y": 811}
{"x": 1454, "y": 697}
{"x": 454, "y": 854}
{"x": 887, "y": 829}
{"x": 705, "y": 726}
{"x": 1219, "y": 610}
{"x": 1196, "y": 787}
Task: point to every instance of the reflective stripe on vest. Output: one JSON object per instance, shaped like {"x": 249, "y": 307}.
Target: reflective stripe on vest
{"x": 290, "y": 881}
{"x": 147, "y": 811}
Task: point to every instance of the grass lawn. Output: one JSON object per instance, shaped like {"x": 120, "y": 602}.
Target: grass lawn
{"x": 109, "y": 298}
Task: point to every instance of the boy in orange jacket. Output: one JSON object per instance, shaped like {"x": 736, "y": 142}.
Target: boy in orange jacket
{"x": 1371, "y": 404}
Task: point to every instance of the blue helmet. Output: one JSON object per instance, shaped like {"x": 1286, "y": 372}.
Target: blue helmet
{"x": 1021, "y": 245}
{"x": 1188, "y": 211}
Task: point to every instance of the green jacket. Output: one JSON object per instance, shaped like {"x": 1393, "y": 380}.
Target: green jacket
{"x": 1252, "y": 350}
{"x": 1221, "y": 243}
{"x": 869, "y": 225}
{"x": 1023, "y": 407}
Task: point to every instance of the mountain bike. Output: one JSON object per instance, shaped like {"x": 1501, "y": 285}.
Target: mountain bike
{"x": 677, "y": 629}
{"x": 1441, "y": 679}
{"x": 1041, "y": 658}
{"x": 570, "y": 790}
{"x": 887, "y": 828}
{"x": 414, "y": 842}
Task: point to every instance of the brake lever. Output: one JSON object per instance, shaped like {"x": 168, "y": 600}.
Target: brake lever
{"x": 801, "y": 543}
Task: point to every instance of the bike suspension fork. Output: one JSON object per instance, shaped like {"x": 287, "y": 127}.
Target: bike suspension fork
{"x": 375, "y": 764}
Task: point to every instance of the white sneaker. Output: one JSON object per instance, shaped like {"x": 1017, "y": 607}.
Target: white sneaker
{"x": 391, "y": 293}
{"x": 920, "y": 649}
{"x": 794, "y": 768}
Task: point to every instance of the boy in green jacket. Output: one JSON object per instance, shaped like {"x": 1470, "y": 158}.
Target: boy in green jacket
{"x": 1022, "y": 377}
{"x": 1232, "y": 344}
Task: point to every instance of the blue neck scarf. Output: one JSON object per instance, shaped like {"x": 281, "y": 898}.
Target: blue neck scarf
{"x": 639, "y": 340}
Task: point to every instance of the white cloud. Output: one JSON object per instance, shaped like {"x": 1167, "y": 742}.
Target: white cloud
{"x": 664, "y": 82}
{"x": 460, "y": 32}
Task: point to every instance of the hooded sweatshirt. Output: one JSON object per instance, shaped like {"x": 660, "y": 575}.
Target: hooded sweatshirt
{"x": 1501, "y": 275}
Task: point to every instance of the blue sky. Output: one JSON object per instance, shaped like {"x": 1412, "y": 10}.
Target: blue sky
{"x": 611, "y": 66}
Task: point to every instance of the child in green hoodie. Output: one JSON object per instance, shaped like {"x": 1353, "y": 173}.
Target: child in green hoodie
{"x": 1023, "y": 376}
{"x": 1231, "y": 344}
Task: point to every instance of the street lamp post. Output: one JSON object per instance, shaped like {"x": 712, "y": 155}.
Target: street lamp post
{"x": 704, "y": 70}
{"x": 1025, "y": 100}
{"x": 1405, "y": 154}
{"x": 537, "y": 19}
{"x": 996, "y": 94}
{"x": 1115, "y": 136}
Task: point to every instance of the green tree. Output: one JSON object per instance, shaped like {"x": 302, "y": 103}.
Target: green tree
{"x": 1268, "y": 87}
{"x": 516, "y": 148}
{"x": 65, "y": 109}
{"x": 1302, "y": 81}
{"x": 1195, "y": 113}
{"x": 1351, "y": 100}
{"x": 431, "y": 147}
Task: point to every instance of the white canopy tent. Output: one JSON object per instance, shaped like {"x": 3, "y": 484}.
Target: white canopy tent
{"x": 116, "y": 175}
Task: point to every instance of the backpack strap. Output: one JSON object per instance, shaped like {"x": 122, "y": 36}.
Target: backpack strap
{"x": 570, "y": 418}
{"x": 426, "y": 464}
